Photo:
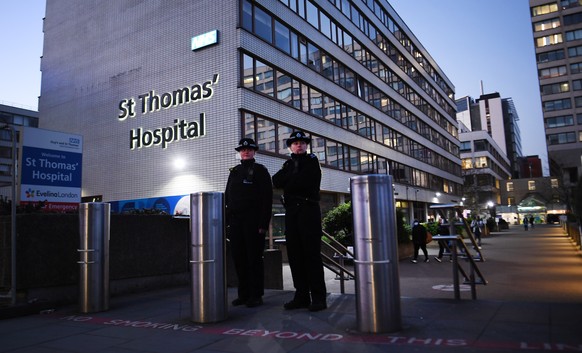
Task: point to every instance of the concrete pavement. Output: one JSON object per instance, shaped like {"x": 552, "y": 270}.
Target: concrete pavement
{"x": 532, "y": 302}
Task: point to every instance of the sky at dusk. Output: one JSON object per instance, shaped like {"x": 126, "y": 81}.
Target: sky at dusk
{"x": 477, "y": 44}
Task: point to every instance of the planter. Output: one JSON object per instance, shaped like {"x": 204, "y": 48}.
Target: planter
{"x": 405, "y": 250}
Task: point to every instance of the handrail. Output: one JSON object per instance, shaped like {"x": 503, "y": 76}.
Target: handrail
{"x": 473, "y": 268}
{"x": 337, "y": 267}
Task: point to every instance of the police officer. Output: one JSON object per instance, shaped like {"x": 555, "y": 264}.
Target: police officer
{"x": 300, "y": 179}
{"x": 248, "y": 200}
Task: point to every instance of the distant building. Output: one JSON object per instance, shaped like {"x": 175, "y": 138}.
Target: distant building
{"x": 11, "y": 120}
{"x": 530, "y": 167}
{"x": 538, "y": 197}
{"x": 557, "y": 33}
{"x": 490, "y": 147}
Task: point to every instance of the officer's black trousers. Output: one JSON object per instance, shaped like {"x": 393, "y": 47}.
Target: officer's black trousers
{"x": 247, "y": 247}
{"x": 303, "y": 237}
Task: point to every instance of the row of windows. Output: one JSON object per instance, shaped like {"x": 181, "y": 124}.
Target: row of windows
{"x": 353, "y": 13}
{"x": 484, "y": 146}
{"x": 558, "y": 54}
{"x": 558, "y": 71}
{"x": 562, "y": 87}
{"x": 562, "y": 138}
{"x": 323, "y": 63}
{"x": 271, "y": 137}
{"x": 554, "y": 88}
{"x": 555, "y": 71}
{"x": 264, "y": 25}
{"x": 15, "y": 119}
{"x": 559, "y": 121}
{"x": 546, "y": 24}
{"x": 480, "y": 163}
{"x": 544, "y": 9}
{"x": 557, "y": 38}
{"x": 553, "y": 7}
{"x": 277, "y": 84}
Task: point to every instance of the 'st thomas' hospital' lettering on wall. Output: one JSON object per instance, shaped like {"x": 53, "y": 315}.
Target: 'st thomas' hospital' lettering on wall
{"x": 181, "y": 129}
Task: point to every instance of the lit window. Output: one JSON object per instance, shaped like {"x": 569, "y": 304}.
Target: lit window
{"x": 531, "y": 185}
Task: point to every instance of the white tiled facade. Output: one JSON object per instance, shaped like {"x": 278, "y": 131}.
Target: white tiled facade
{"x": 100, "y": 54}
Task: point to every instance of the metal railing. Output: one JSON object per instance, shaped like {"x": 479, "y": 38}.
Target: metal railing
{"x": 341, "y": 253}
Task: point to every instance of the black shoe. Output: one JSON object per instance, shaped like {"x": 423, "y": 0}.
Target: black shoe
{"x": 295, "y": 304}
{"x": 317, "y": 306}
{"x": 251, "y": 303}
{"x": 238, "y": 302}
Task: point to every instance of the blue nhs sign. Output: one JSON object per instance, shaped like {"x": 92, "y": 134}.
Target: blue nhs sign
{"x": 204, "y": 40}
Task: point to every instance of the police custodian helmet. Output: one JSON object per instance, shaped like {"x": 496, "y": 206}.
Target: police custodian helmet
{"x": 298, "y": 136}
{"x": 247, "y": 143}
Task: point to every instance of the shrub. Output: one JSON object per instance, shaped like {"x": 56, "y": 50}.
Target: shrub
{"x": 339, "y": 224}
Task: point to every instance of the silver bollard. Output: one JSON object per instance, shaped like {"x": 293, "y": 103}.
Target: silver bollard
{"x": 208, "y": 257}
{"x": 94, "y": 220}
{"x": 376, "y": 254}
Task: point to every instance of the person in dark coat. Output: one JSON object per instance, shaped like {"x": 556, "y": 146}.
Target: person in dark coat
{"x": 248, "y": 202}
{"x": 419, "y": 241}
{"x": 300, "y": 179}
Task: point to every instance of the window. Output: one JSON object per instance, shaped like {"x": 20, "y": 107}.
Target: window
{"x": 558, "y": 104}
{"x": 264, "y": 79}
{"x": 247, "y": 16}
{"x": 572, "y": 19}
{"x": 559, "y": 121}
{"x": 263, "y": 25}
{"x": 577, "y": 85}
{"x": 282, "y": 37}
{"x": 554, "y": 183}
{"x": 575, "y": 51}
{"x": 531, "y": 185}
{"x": 553, "y": 72}
{"x": 467, "y": 163}
{"x": 546, "y": 24}
{"x": 266, "y": 135}
{"x": 549, "y": 40}
{"x": 555, "y": 88}
{"x": 562, "y": 138}
{"x": 510, "y": 201}
{"x": 573, "y": 35}
{"x": 509, "y": 186}
{"x": 544, "y": 9}
{"x": 481, "y": 162}
{"x": 552, "y": 55}
{"x": 575, "y": 68}
{"x": 248, "y": 76}
{"x": 465, "y": 146}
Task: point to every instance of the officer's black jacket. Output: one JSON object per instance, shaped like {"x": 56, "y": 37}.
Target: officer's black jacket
{"x": 300, "y": 178}
{"x": 249, "y": 190}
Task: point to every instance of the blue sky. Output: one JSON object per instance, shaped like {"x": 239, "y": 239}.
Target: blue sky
{"x": 473, "y": 41}
{"x": 489, "y": 41}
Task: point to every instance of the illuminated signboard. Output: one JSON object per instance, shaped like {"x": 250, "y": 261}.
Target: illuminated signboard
{"x": 51, "y": 169}
{"x": 204, "y": 40}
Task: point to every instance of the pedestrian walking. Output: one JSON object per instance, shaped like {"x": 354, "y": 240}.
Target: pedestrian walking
{"x": 300, "y": 179}
{"x": 248, "y": 201}
{"x": 419, "y": 234}
{"x": 525, "y": 221}
{"x": 477, "y": 228}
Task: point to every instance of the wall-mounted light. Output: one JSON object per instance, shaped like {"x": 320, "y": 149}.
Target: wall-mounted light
{"x": 179, "y": 163}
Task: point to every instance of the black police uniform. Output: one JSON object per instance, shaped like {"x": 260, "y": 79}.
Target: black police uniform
{"x": 300, "y": 179}
{"x": 248, "y": 200}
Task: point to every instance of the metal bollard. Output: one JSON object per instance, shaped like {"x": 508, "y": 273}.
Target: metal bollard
{"x": 94, "y": 220}
{"x": 376, "y": 254}
{"x": 208, "y": 257}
